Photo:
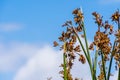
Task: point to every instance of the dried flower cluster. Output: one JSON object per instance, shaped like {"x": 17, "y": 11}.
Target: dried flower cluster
{"x": 101, "y": 39}
{"x": 117, "y": 49}
{"x": 99, "y": 21}
{"x": 98, "y": 18}
{"x": 69, "y": 38}
{"x": 101, "y": 44}
{"x": 115, "y": 17}
{"x": 78, "y": 16}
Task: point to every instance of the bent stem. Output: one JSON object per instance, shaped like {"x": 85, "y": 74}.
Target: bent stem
{"x": 90, "y": 65}
{"x": 64, "y": 62}
{"x": 86, "y": 42}
{"x": 87, "y": 48}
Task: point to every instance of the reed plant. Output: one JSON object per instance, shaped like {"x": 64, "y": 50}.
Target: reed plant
{"x": 105, "y": 53}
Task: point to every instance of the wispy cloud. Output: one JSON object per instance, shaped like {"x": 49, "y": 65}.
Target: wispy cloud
{"x": 14, "y": 54}
{"x": 46, "y": 64}
{"x": 42, "y": 65}
{"x": 38, "y": 63}
{"x": 7, "y": 27}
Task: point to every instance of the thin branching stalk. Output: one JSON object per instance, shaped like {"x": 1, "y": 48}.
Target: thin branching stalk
{"x": 64, "y": 62}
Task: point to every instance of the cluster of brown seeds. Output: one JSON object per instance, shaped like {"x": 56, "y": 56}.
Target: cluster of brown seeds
{"x": 98, "y": 19}
{"x": 100, "y": 23}
{"x": 82, "y": 59}
{"x": 78, "y": 16}
{"x": 69, "y": 38}
{"x": 115, "y": 17}
{"x": 101, "y": 41}
{"x": 117, "y": 49}
{"x": 109, "y": 27}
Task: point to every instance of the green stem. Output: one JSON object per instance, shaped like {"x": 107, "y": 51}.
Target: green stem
{"x": 110, "y": 67}
{"x": 64, "y": 62}
{"x": 84, "y": 52}
{"x": 103, "y": 66}
{"x": 95, "y": 65}
{"x": 119, "y": 21}
{"x": 111, "y": 60}
{"x": 86, "y": 41}
{"x": 80, "y": 43}
{"x": 87, "y": 47}
{"x": 119, "y": 74}
{"x": 119, "y": 54}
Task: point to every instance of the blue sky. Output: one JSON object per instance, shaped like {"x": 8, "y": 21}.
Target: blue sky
{"x": 26, "y": 26}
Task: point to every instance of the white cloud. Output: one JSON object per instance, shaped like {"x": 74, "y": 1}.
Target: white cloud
{"x": 42, "y": 65}
{"x": 14, "y": 54}
{"x": 7, "y": 27}
{"x": 46, "y": 64}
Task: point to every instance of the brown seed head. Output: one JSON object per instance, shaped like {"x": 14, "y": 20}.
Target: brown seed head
{"x": 82, "y": 59}
{"x": 55, "y": 43}
{"x": 115, "y": 17}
